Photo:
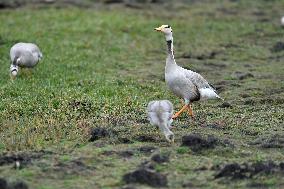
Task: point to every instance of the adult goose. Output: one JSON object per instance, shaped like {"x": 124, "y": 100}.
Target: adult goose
{"x": 24, "y": 55}
{"x": 186, "y": 84}
{"x": 160, "y": 113}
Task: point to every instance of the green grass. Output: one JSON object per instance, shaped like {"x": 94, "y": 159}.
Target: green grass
{"x": 101, "y": 68}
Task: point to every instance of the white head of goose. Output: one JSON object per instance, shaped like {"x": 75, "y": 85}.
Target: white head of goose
{"x": 24, "y": 55}
{"x": 186, "y": 84}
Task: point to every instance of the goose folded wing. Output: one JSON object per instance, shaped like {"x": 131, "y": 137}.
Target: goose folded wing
{"x": 35, "y": 50}
{"x": 197, "y": 80}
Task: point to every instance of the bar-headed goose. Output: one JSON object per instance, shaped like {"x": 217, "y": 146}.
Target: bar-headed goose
{"x": 160, "y": 113}
{"x": 24, "y": 55}
{"x": 186, "y": 84}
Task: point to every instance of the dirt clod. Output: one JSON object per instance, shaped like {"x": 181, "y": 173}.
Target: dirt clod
{"x": 3, "y": 183}
{"x": 249, "y": 101}
{"x": 244, "y": 95}
{"x": 146, "y": 176}
{"x": 279, "y": 46}
{"x": 242, "y": 76}
{"x": 98, "y": 133}
{"x": 126, "y": 153}
{"x": 188, "y": 185}
{"x": 221, "y": 85}
{"x": 245, "y": 170}
{"x": 146, "y": 138}
{"x": 16, "y": 185}
{"x": 196, "y": 142}
{"x": 125, "y": 140}
{"x": 225, "y": 105}
{"x": 147, "y": 149}
{"x": 19, "y": 185}
{"x": 73, "y": 167}
{"x": 273, "y": 141}
{"x": 147, "y": 165}
{"x": 23, "y": 158}
{"x": 160, "y": 158}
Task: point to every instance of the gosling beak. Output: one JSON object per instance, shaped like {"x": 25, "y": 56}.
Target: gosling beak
{"x": 159, "y": 29}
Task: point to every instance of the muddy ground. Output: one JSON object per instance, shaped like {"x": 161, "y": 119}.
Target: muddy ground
{"x": 78, "y": 120}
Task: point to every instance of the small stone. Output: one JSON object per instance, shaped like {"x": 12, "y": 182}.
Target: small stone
{"x": 225, "y": 105}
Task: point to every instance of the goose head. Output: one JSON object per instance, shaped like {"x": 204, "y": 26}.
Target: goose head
{"x": 167, "y": 30}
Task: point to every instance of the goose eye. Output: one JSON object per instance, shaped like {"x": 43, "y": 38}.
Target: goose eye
{"x": 168, "y": 26}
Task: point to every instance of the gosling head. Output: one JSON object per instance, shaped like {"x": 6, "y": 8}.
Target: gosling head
{"x": 167, "y": 30}
{"x": 14, "y": 68}
{"x": 13, "y": 71}
{"x": 170, "y": 137}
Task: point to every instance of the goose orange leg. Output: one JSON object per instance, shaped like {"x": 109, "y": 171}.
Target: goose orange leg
{"x": 190, "y": 111}
{"x": 179, "y": 112}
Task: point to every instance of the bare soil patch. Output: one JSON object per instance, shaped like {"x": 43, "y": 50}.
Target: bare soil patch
{"x": 197, "y": 142}
{"x": 246, "y": 170}
{"x": 273, "y": 141}
{"x": 146, "y": 176}
{"x": 22, "y": 159}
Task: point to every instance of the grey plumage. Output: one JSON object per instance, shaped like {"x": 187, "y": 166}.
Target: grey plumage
{"x": 24, "y": 55}
{"x": 186, "y": 84}
{"x": 160, "y": 113}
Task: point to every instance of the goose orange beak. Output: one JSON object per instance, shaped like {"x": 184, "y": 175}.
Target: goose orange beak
{"x": 159, "y": 29}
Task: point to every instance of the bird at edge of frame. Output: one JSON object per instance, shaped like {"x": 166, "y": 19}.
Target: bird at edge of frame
{"x": 23, "y": 55}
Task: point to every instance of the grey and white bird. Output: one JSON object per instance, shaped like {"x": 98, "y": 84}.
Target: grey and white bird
{"x": 186, "y": 84}
{"x": 23, "y": 55}
{"x": 160, "y": 113}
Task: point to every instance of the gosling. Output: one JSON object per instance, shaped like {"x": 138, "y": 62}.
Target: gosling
{"x": 160, "y": 114}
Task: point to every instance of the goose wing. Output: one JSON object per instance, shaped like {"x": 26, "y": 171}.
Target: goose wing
{"x": 33, "y": 48}
{"x": 22, "y": 48}
{"x": 197, "y": 80}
